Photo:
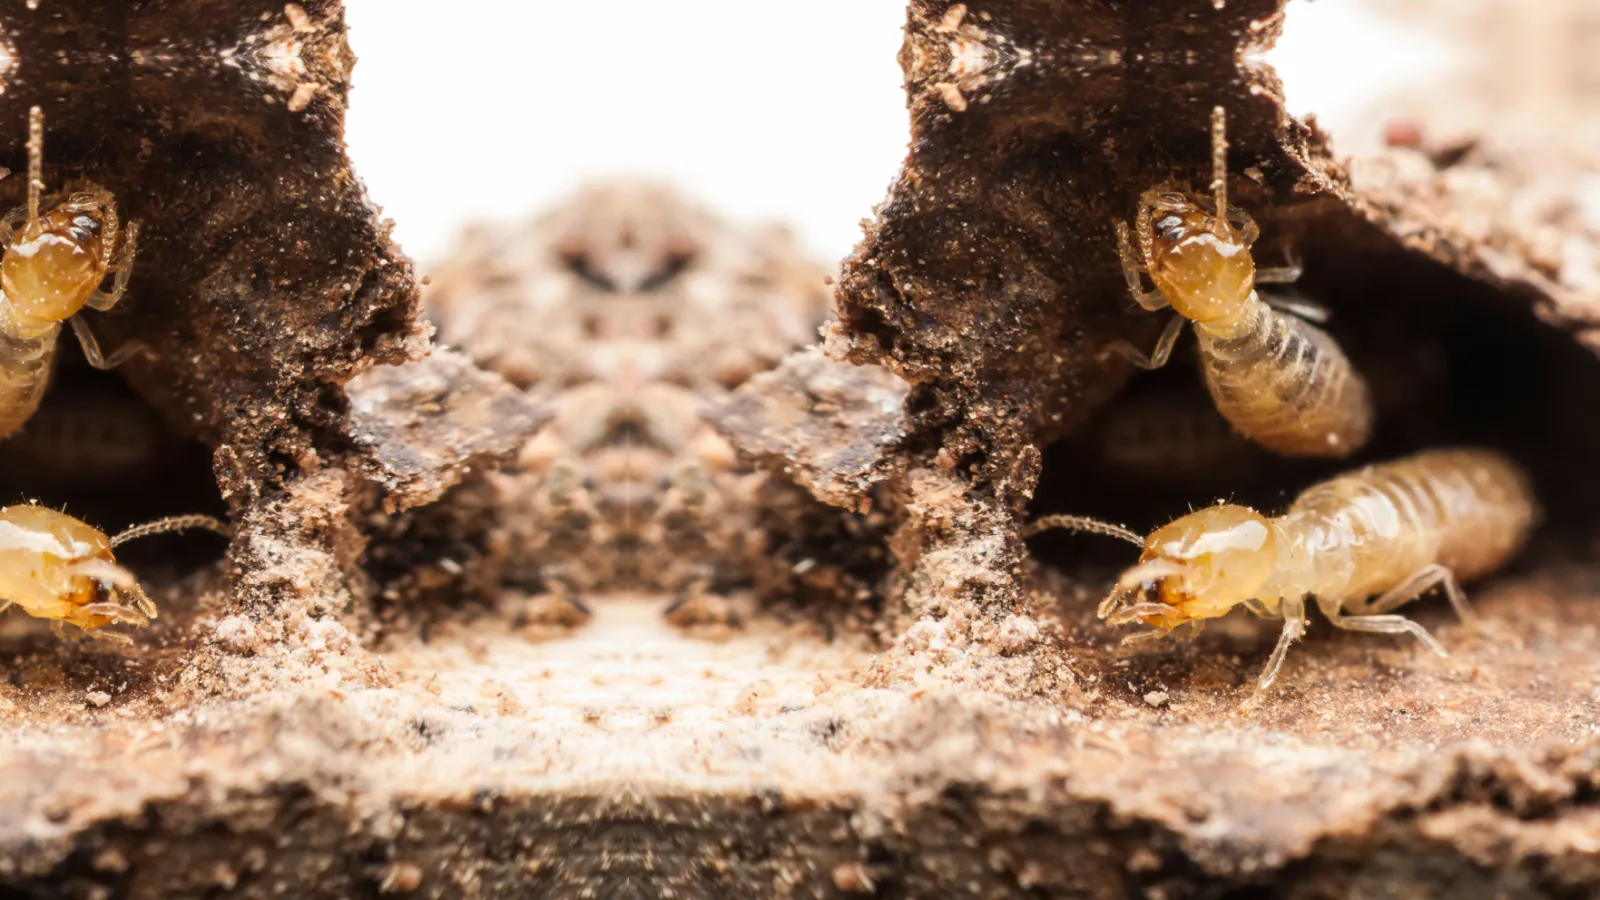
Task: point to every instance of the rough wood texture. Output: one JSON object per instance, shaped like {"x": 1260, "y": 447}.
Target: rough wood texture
{"x": 632, "y": 662}
{"x": 264, "y": 279}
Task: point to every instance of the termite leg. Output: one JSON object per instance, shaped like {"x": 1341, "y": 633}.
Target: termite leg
{"x": 91, "y": 347}
{"x": 1249, "y": 231}
{"x": 1288, "y": 273}
{"x": 10, "y": 224}
{"x": 1389, "y": 624}
{"x": 1279, "y": 274}
{"x": 1258, "y": 608}
{"x": 123, "y": 267}
{"x": 1301, "y": 307}
{"x": 1131, "y": 270}
{"x": 1162, "y": 352}
{"x": 1294, "y": 627}
{"x": 103, "y": 635}
{"x": 1423, "y": 580}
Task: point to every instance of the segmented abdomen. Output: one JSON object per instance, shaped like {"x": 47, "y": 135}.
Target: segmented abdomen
{"x": 1166, "y": 434}
{"x": 90, "y": 433}
{"x": 24, "y": 375}
{"x": 1285, "y": 384}
{"x": 1367, "y": 531}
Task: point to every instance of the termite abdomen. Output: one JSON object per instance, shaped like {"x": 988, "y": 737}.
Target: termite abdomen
{"x": 1287, "y": 384}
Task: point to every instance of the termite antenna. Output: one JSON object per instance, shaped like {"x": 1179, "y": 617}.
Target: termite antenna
{"x": 1080, "y": 523}
{"x": 173, "y": 523}
{"x": 35, "y": 160}
{"x": 1219, "y": 167}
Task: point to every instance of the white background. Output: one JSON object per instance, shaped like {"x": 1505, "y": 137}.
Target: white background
{"x": 498, "y": 107}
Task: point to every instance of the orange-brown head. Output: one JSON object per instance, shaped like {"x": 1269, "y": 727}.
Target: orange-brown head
{"x": 1199, "y": 261}
{"x": 1201, "y": 565}
{"x": 54, "y": 263}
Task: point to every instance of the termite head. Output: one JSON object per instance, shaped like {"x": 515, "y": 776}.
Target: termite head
{"x": 1198, "y": 259}
{"x": 58, "y": 567}
{"x": 54, "y": 263}
{"x": 1201, "y": 566}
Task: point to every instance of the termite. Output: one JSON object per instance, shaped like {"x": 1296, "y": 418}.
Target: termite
{"x": 1392, "y": 531}
{"x": 53, "y": 266}
{"x": 1276, "y": 377}
{"x": 60, "y": 568}
{"x": 1167, "y": 434}
{"x": 91, "y": 432}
